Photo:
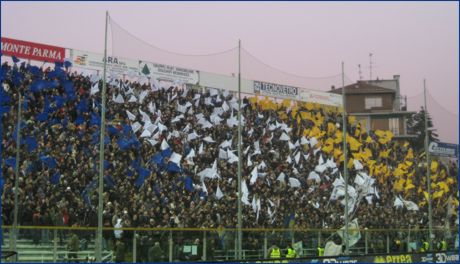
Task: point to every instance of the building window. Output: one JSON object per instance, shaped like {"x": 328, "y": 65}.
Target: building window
{"x": 394, "y": 125}
{"x": 371, "y": 102}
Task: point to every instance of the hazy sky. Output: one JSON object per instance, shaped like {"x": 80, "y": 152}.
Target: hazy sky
{"x": 415, "y": 40}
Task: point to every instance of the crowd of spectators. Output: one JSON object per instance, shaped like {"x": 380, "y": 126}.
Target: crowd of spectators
{"x": 171, "y": 159}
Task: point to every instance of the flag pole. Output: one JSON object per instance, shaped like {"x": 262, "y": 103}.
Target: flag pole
{"x": 428, "y": 173}
{"x": 240, "y": 235}
{"x": 16, "y": 180}
{"x": 345, "y": 160}
{"x": 101, "y": 152}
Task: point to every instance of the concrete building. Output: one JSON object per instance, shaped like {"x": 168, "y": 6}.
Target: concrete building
{"x": 377, "y": 104}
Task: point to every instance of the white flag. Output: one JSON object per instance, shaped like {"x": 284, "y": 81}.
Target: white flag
{"x": 131, "y": 116}
{"x": 152, "y": 142}
{"x": 254, "y": 175}
{"x": 219, "y": 193}
{"x": 192, "y": 136}
{"x": 284, "y": 137}
{"x": 133, "y": 99}
{"x": 175, "y": 158}
{"x": 119, "y": 99}
{"x": 354, "y": 235}
{"x": 95, "y": 88}
{"x": 145, "y": 117}
{"x": 136, "y": 126}
{"x": 164, "y": 145}
{"x": 357, "y": 164}
{"x": 146, "y": 133}
{"x": 293, "y": 182}
{"x": 208, "y": 139}
{"x": 142, "y": 96}
{"x": 152, "y": 108}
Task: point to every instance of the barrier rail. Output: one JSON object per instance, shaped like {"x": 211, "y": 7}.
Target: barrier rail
{"x": 210, "y": 244}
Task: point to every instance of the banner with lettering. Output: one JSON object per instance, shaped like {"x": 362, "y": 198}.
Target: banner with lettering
{"x": 32, "y": 50}
{"x": 168, "y": 73}
{"x": 116, "y": 66}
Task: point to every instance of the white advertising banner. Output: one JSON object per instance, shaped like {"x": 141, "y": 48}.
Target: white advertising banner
{"x": 320, "y": 98}
{"x": 295, "y": 93}
{"x": 115, "y": 65}
{"x": 276, "y": 90}
{"x": 168, "y": 73}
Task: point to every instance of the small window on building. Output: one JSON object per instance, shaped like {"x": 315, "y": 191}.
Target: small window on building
{"x": 394, "y": 125}
{"x": 371, "y": 102}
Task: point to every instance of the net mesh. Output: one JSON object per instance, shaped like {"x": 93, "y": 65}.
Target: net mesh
{"x": 124, "y": 44}
{"x": 444, "y": 121}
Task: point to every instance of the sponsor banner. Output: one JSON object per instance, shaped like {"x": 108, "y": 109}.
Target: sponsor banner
{"x": 402, "y": 258}
{"x": 115, "y": 65}
{"x": 32, "y": 51}
{"x": 441, "y": 257}
{"x": 443, "y": 149}
{"x": 276, "y": 90}
{"x": 321, "y": 98}
{"x": 168, "y": 73}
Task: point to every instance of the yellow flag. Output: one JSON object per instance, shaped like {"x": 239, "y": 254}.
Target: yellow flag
{"x": 409, "y": 186}
{"x": 253, "y": 100}
{"x": 398, "y": 186}
{"x": 443, "y": 186}
{"x": 351, "y": 120}
{"x": 286, "y": 103}
{"x": 410, "y": 154}
{"x": 369, "y": 139}
{"x": 337, "y": 153}
{"x": 367, "y": 154}
{"x": 384, "y": 154}
{"x": 389, "y": 135}
{"x": 379, "y": 133}
{"x": 354, "y": 144}
{"x": 338, "y": 137}
{"x": 434, "y": 166}
{"x": 438, "y": 194}
{"x": 330, "y": 128}
{"x": 399, "y": 172}
{"x": 425, "y": 194}
{"x": 350, "y": 163}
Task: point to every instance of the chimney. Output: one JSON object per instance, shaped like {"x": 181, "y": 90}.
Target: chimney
{"x": 398, "y": 94}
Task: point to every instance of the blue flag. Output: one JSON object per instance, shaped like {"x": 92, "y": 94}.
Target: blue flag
{"x": 4, "y": 109}
{"x": 10, "y": 162}
{"x": 42, "y": 117}
{"x": 50, "y": 162}
{"x": 31, "y": 143}
{"x": 80, "y": 120}
{"x": 112, "y": 130}
{"x": 55, "y": 178}
{"x": 109, "y": 181}
{"x": 188, "y": 182}
{"x": 142, "y": 174}
{"x": 67, "y": 64}
{"x": 172, "y": 167}
{"x": 95, "y": 120}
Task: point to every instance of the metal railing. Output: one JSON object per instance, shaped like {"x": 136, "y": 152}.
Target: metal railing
{"x": 204, "y": 244}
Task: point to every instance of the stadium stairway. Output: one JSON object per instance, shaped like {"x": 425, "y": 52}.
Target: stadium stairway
{"x": 42, "y": 253}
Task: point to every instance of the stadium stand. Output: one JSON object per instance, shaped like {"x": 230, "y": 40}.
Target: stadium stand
{"x": 171, "y": 161}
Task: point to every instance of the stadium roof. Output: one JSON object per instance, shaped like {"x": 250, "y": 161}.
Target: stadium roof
{"x": 362, "y": 87}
